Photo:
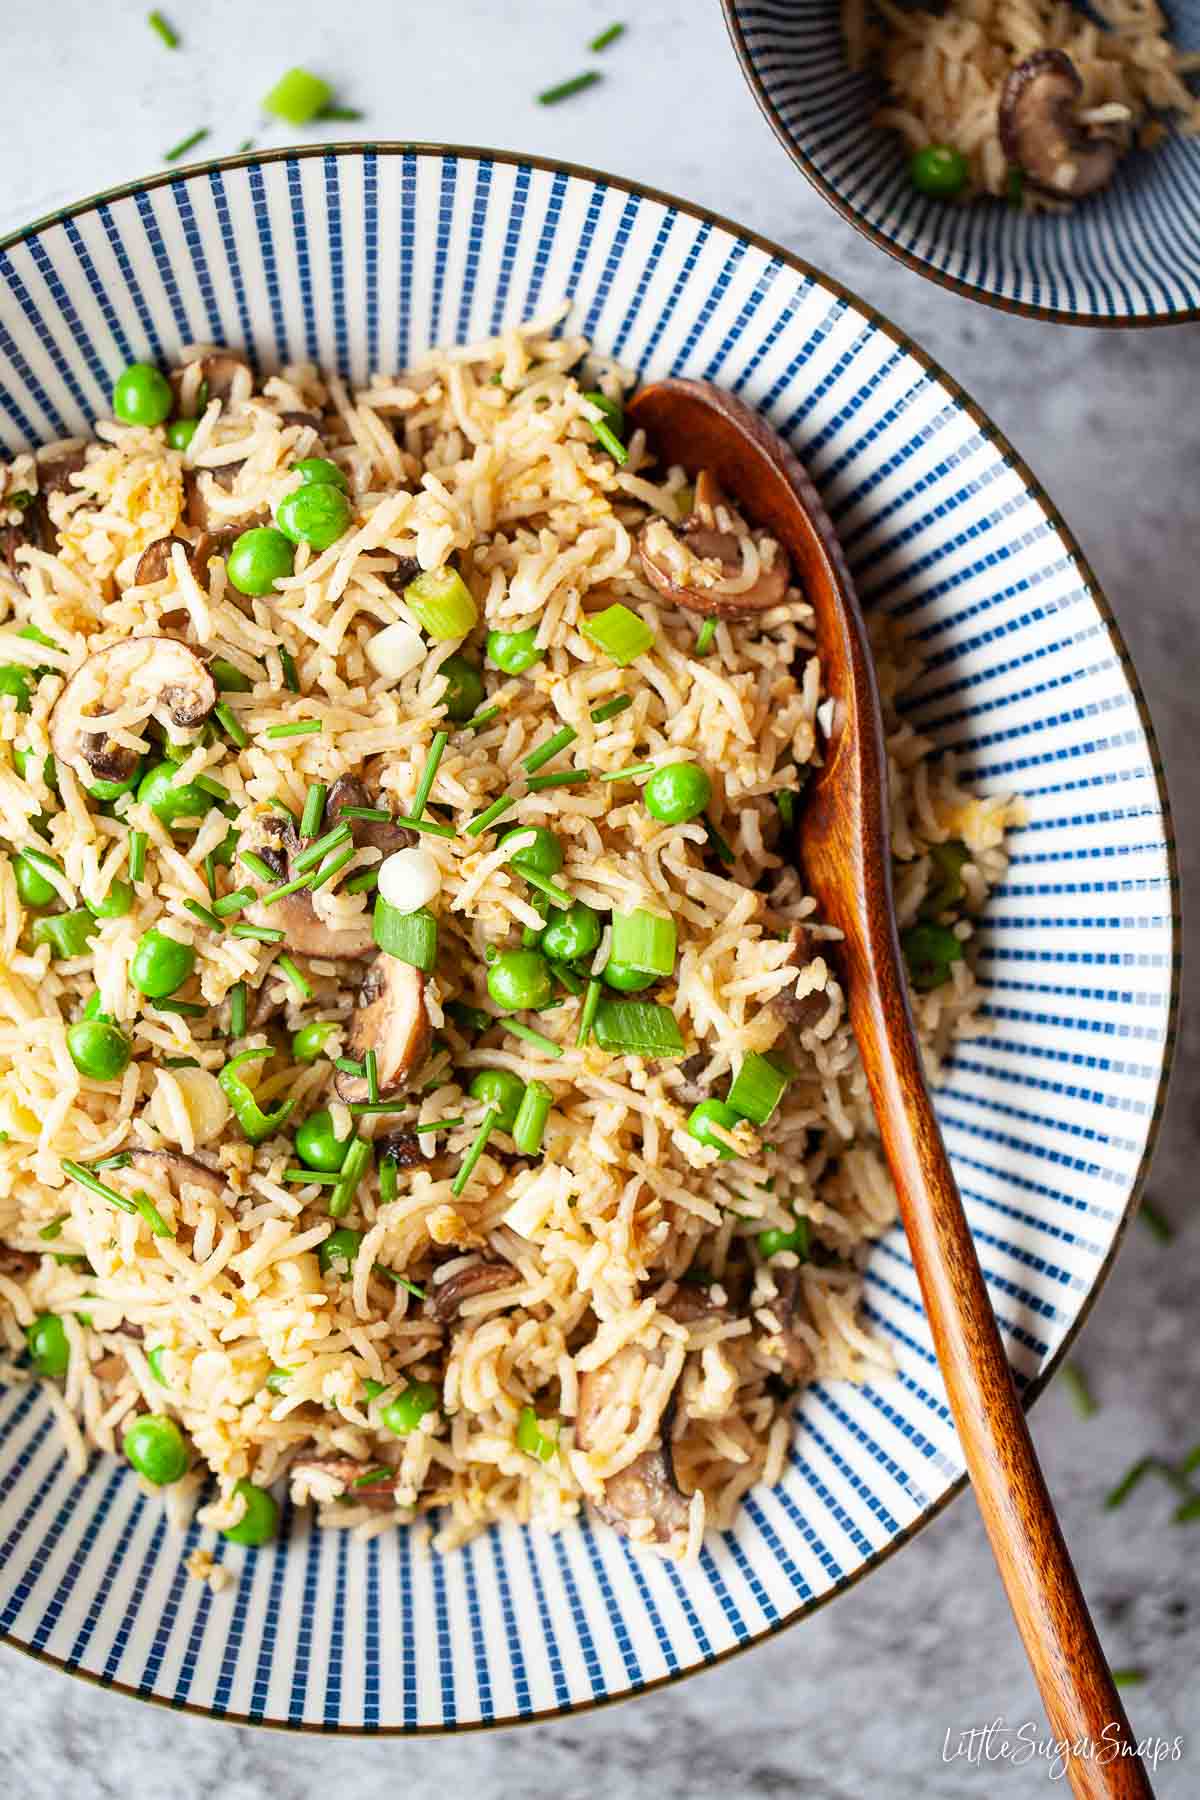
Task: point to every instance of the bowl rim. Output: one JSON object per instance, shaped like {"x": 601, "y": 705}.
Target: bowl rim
{"x": 1025, "y": 309}
{"x": 996, "y": 438}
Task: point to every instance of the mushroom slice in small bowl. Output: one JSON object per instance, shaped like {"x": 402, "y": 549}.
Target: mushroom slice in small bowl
{"x": 141, "y": 678}
{"x": 646, "y": 1488}
{"x": 307, "y": 932}
{"x": 1042, "y": 133}
{"x": 702, "y": 565}
{"x": 391, "y": 1020}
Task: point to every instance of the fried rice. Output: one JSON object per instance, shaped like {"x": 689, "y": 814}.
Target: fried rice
{"x": 624, "y": 1314}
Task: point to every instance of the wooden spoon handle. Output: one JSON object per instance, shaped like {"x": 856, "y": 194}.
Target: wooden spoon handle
{"x": 1051, "y": 1613}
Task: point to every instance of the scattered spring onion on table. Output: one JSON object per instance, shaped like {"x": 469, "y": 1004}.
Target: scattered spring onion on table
{"x": 564, "y": 90}
{"x": 163, "y": 29}
{"x": 186, "y": 144}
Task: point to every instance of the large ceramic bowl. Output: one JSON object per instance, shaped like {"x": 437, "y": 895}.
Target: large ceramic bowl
{"x": 357, "y": 258}
{"x": 1127, "y": 256}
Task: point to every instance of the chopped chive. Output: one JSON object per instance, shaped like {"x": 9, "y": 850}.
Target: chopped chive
{"x": 390, "y": 1274}
{"x": 246, "y": 144}
{"x": 120, "y": 1159}
{"x": 545, "y": 752}
{"x": 1155, "y": 1222}
{"x": 438, "y": 1125}
{"x": 210, "y": 874}
{"x": 573, "y": 983}
{"x": 564, "y": 90}
{"x": 290, "y": 972}
{"x": 429, "y": 826}
{"x": 371, "y": 1475}
{"x": 607, "y": 37}
{"x": 564, "y": 778}
{"x": 303, "y": 1176}
{"x": 490, "y": 814}
{"x": 1187, "y": 1512}
{"x": 287, "y": 663}
{"x": 281, "y": 893}
{"x": 257, "y": 866}
{"x": 478, "y": 1144}
{"x": 228, "y": 677}
{"x": 263, "y": 934}
{"x": 348, "y": 1066}
{"x": 388, "y": 1181}
{"x": 234, "y": 902}
{"x": 203, "y": 914}
{"x": 705, "y": 636}
{"x": 208, "y": 785}
{"x": 327, "y": 871}
{"x": 646, "y": 768}
{"x": 621, "y": 703}
{"x": 298, "y": 728}
{"x": 86, "y": 1179}
{"x": 237, "y": 1009}
{"x": 138, "y": 841}
{"x": 1081, "y": 1394}
{"x": 314, "y": 809}
{"x": 469, "y": 1018}
{"x": 530, "y": 1036}
{"x": 186, "y": 1009}
{"x": 366, "y": 1109}
{"x": 341, "y": 113}
{"x": 591, "y": 1001}
{"x": 298, "y": 96}
{"x": 371, "y": 1066}
{"x": 378, "y": 815}
{"x": 558, "y": 896}
{"x": 481, "y": 718}
{"x": 48, "y": 1233}
{"x": 530, "y": 1122}
{"x": 280, "y": 805}
{"x": 721, "y": 848}
{"x": 353, "y": 1169}
{"x": 164, "y": 29}
{"x": 1191, "y": 1461}
{"x": 440, "y": 740}
{"x": 785, "y": 800}
{"x": 362, "y": 883}
{"x": 233, "y": 726}
{"x": 144, "y": 1205}
{"x": 316, "y": 853}
{"x": 608, "y": 440}
{"x": 180, "y": 1062}
{"x": 185, "y": 144}
{"x": 1130, "y": 1480}
{"x": 1127, "y": 1677}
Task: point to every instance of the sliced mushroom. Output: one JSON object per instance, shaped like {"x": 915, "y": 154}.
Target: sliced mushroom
{"x": 18, "y": 1262}
{"x": 392, "y": 1021}
{"x": 178, "y": 1171}
{"x": 406, "y": 570}
{"x": 807, "y": 1010}
{"x": 691, "y": 1303}
{"x": 691, "y": 1089}
{"x": 312, "y": 420}
{"x": 348, "y": 790}
{"x": 474, "y": 1278}
{"x": 198, "y": 512}
{"x": 694, "y": 566}
{"x": 788, "y": 1305}
{"x": 161, "y": 676}
{"x": 54, "y": 471}
{"x": 646, "y": 1488}
{"x": 1041, "y": 132}
{"x": 401, "y": 1147}
{"x": 307, "y": 933}
{"x": 345, "y": 1471}
{"x": 219, "y": 369}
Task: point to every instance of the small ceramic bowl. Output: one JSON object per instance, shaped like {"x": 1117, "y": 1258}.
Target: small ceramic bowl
{"x": 1129, "y": 255}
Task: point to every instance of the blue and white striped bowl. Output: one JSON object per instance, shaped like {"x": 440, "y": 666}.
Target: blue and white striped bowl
{"x": 1129, "y": 256}
{"x": 357, "y": 258}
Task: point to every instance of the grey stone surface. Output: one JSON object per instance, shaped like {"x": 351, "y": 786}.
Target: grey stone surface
{"x": 857, "y": 1701}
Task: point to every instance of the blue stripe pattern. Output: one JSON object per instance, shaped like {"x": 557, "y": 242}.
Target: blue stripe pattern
{"x": 359, "y": 257}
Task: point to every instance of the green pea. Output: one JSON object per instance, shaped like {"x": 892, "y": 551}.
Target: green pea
{"x": 318, "y": 469}
{"x": 259, "y": 559}
{"x": 709, "y": 1113}
{"x": 948, "y": 888}
{"x": 112, "y": 790}
{"x": 544, "y": 855}
{"x": 115, "y": 904}
{"x": 572, "y": 934}
{"x": 464, "y": 687}
{"x": 938, "y": 170}
{"x": 405, "y": 1412}
{"x": 157, "y": 1449}
{"x": 168, "y": 802}
{"x": 32, "y": 886}
{"x": 929, "y": 951}
{"x": 317, "y": 1145}
{"x": 180, "y": 433}
{"x": 26, "y": 765}
{"x": 98, "y": 1049}
{"x": 308, "y": 1041}
{"x": 520, "y": 979}
{"x": 154, "y": 1361}
{"x": 503, "y": 1090}
{"x": 142, "y": 395}
{"x": 260, "y": 1521}
{"x": 514, "y": 651}
{"x": 46, "y": 1340}
{"x": 161, "y": 965}
{"x": 625, "y": 979}
{"x": 338, "y": 1252}
{"x": 680, "y": 791}
{"x": 17, "y": 682}
{"x": 317, "y": 513}
{"x": 771, "y": 1242}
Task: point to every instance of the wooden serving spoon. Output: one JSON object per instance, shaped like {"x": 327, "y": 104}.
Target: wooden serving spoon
{"x": 843, "y": 846}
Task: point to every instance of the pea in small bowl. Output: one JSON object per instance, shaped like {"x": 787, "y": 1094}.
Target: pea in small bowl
{"x": 1127, "y": 255}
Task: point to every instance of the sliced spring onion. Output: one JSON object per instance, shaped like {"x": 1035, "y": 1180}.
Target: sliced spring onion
{"x": 537, "y": 1437}
{"x": 388, "y": 1179}
{"x": 371, "y": 1066}
{"x": 378, "y": 815}
{"x": 1082, "y": 1398}
{"x": 429, "y": 826}
{"x": 1132, "y": 1478}
{"x": 305, "y": 1176}
{"x": 185, "y": 144}
{"x": 205, "y": 916}
{"x": 757, "y": 1089}
{"x": 552, "y": 95}
{"x": 619, "y": 632}
{"x": 234, "y": 729}
{"x": 490, "y": 814}
{"x": 314, "y": 809}
{"x": 237, "y": 1009}
{"x": 545, "y": 752}
{"x": 358, "y": 1156}
{"x": 256, "y": 865}
{"x": 232, "y": 903}
{"x": 209, "y": 785}
{"x": 287, "y": 663}
{"x": 263, "y": 934}
{"x": 278, "y": 804}
{"x": 634, "y": 769}
{"x": 469, "y": 1018}
{"x": 530, "y": 1123}
{"x": 86, "y": 1179}
{"x": 719, "y": 846}
{"x": 308, "y": 859}
{"x": 229, "y": 679}
{"x": 186, "y": 1009}
{"x": 164, "y": 29}
{"x": 409, "y": 937}
{"x": 1155, "y": 1222}
{"x": 67, "y": 933}
{"x": 281, "y": 893}
{"x": 785, "y": 800}
{"x": 529, "y": 1036}
{"x": 481, "y": 718}
{"x": 256, "y": 1123}
{"x": 298, "y": 97}
{"x": 348, "y": 1066}
{"x": 365, "y": 882}
{"x": 297, "y": 728}
{"x": 1187, "y": 1512}
{"x": 138, "y": 841}
{"x": 48, "y": 1233}
{"x": 587, "y": 1017}
{"x": 391, "y": 1275}
{"x": 557, "y": 896}
{"x": 608, "y": 427}
{"x": 1127, "y": 1677}
{"x": 328, "y": 870}
{"x": 607, "y": 37}
{"x": 564, "y": 778}
{"x": 291, "y": 973}
{"x": 620, "y": 703}
{"x": 637, "y": 1028}
{"x": 440, "y": 740}
{"x": 149, "y": 1212}
{"x": 478, "y": 1144}
{"x": 1191, "y": 1461}
{"x": 705, "y": 636}
{"x": 442, "y": 604}
{"x": 644, "y": 941}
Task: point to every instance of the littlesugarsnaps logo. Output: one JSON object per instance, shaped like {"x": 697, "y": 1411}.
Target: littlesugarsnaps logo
{"x": 981, "y": 1746}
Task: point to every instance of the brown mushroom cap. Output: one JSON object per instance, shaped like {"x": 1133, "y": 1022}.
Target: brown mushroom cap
{"x": 307, "y": 933}
{"x": 54, "y": 471}
{"x": 221, "y": 370}
{"x": 346, "y": 1471}
{"x": 691, "y": 567}
{"x": 348, "y": 790}
{"x": 1040, "y": 129}
{"x": 646, "y": 1488}
{"x": 392, "y": 1021}
{"x": 178, "y": 1170}
{"x": 474, "y": 1278}
{"x": 165, "y": 680}
{"x": 789, "y": 1306}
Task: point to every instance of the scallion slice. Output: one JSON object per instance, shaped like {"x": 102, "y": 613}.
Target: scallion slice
{"x": 529, "y": 1036}
{"x": 297, "y": 728}
{"x": 328, "y": 870}
{"x": 545, "y": 753}
{"x": 185, "y": 144}
{"x": 758, "y": 1088}
{"x": 232, "y": 903}
{"x": 263, "y": 934}
{"x": 637, "y": 1028}
{"x": 619, "y": 632}
{"x": 237, "y": 1009}
{"x": 205, "y": 916}
{"x": 490, "y": 814}
{"x": 229, "y": 679}
{"x": 442, "y": 604}
{"x": 530, "y": 1123}
{"x": 440, "y": 740}
{"x": 86, "y": 1179}
{"x": 314, "y": 809}
{"x": 316, "y": 853}
{"x": 537, "y": 1437}
{"x": 234, "y": 729}
{"x": 164, "y": 29}
{"x": 358, "y": 1156}
{"x": 256, "y": 865}
{"x": 607, "y": 37}
{"x": 138, "y": 841}
{"x": 429, "y": 826}
{"x": 587, "y": 1017}
{"x": 409, "y": 937}
{"x": 478, "y": 1145}
{"x": 1082, "y": 1398}
{"x": 378, "y": 815}
{"x": 365, "y": 882}
{"x": 371, "y": 1066}
{"x": 287, "y": 663}
{"x": 610, "y": 708}
{"x": 291, "y": 973}
{"x": 564, "y": 778}
{"x": 705, "y": 636}
{"x": 552, "y": 95}
{"x": 644, "y": 941}
{"x": 298, "y": 97}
